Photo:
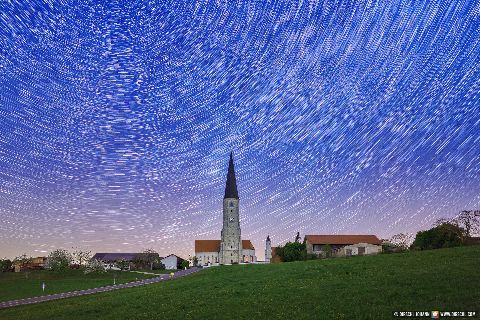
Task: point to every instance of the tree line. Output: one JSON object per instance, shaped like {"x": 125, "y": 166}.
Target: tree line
{"x": 445, "y": 233}
{"x": 61, "y": 260}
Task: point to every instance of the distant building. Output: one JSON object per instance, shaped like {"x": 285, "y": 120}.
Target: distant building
{"x": 115, "y": 256}
{"x": 37, "y": 263}
{"x": 231, "y": 248}
{"x": 343, "y": 245}
{"x": 134, "y": 259}
{"x": 271, "y": 255}
{"x": 172, "y": 262}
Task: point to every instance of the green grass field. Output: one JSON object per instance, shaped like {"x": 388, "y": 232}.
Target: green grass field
{"x": 29, "y": 284}
{"x": 369, "y": 287}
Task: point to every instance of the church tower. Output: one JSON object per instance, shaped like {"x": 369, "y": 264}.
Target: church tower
{"x": 231, "y": 244}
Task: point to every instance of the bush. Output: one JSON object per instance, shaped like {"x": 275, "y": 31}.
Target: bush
{"x": 185, "y": 264}
{"x": 294, "y": 251}
{"x": 95, "y": 266}
{"x": 59, "y": 260}
{"x": 157, "y": 265}
{"x": 122, "y": 264}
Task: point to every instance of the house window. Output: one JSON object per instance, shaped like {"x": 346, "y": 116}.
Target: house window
{"x": 317, "y": 247}
{"x": 348, "y": 252}
{"x": 243, "y": 258}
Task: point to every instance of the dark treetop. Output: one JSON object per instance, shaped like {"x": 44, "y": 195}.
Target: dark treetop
{"x": 231, "y": 186}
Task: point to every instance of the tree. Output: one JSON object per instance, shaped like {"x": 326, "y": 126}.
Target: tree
{"x": 185, "y": 264}
{"x": 22, "y": 260}
{"x": 443, "y": 236}
{"x": 294, "y": 251}
{"x": 81, "y": 257}
{"x": 94, "y": 266}
{"x": 328, "y": 250}
{"x": 122, "y": 264}
{"x": 470, "y": 221}
{"x": 401, "y": 241}
{"x": 59, "y": 260}
{"x": 297, "y": 238}
{"x": 147, "y": 258}
{"x": 5, "y": 265}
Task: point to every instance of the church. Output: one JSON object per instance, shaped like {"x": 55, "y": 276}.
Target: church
{"x": 231, "y": 248}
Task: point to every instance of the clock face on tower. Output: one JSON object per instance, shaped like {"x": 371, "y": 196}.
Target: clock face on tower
{"x": 231, "y": 219}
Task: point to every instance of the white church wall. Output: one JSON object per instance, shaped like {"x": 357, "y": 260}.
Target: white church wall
{"x": 205, "y": 257}
{"x": 250, "y": 254}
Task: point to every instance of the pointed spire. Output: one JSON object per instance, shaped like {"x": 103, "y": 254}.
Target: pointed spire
{"x": 231, "y": 186}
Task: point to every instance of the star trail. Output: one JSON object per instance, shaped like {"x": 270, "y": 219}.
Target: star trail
{"x": 117, "y": 119}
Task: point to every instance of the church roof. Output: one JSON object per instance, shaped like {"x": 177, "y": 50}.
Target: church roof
{"x": 207, "y": 245}
{"x": 247, "y": 244}
{"x": 342, "y": 239}
{"x": 231, "y": 185}
{"x": 214, "y": 245}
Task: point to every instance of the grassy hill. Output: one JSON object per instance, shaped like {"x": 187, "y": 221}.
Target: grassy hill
{"x": 29, "y": 284}
{"x": 369, "y": 287}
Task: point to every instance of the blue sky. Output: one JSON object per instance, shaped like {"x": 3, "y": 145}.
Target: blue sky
{"x": 117, "y": 119}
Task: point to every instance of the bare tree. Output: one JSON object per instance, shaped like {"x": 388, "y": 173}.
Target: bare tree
{"x": 401, "y": 240}
{"x": 469, "y": 220}
{"x": 297, "y": 238}
{"x": 149, "y": 257}
{"x": 441, "y": 221}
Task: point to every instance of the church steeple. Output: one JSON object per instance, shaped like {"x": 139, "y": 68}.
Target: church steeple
{"x": 231, "y": 186}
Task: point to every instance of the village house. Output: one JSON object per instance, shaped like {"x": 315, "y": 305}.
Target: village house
{"x": 343, "y": 245}
{"x": 37, "y": 263}
{"x": 172, "y": 262}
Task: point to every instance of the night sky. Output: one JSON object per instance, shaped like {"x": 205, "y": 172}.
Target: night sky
{"x": 117, "y": 120}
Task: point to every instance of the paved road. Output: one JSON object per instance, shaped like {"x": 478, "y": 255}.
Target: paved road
{"x": 162, "y": 277}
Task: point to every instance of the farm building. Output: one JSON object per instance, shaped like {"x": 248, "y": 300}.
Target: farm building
{"x": 343, "y": 245}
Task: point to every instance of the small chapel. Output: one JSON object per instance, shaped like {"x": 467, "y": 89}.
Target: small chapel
{"x": 231, "y": 248}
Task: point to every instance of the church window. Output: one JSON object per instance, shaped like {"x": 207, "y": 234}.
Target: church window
{"x": 231, "y": 205}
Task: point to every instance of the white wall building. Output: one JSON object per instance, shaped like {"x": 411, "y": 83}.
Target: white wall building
{"x": 172, "y": 262}
{"x": 208, "y": 252}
